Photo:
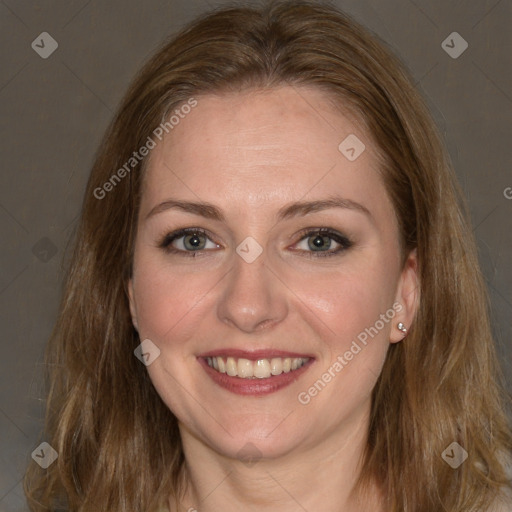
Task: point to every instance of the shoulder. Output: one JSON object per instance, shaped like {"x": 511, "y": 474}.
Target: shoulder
{"x": 160, "y": 508}
{"x": 505, "y": 502}
{"x": 502, "y": 506}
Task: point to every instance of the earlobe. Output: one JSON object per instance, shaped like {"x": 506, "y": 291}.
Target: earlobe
{"x": 133, "y": 309}
{"x": 408, "y": 296}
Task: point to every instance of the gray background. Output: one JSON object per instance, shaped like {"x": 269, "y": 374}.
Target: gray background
{"x": 55, "y": 110}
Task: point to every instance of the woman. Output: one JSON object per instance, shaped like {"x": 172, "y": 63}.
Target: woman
{"x": 274, "y": 299}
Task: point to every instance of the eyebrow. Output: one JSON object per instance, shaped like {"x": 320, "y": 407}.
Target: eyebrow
{"x": 301, "y": 208}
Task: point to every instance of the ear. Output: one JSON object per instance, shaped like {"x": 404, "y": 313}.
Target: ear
{"x": 407, "y": 297}
{"x": 133, "y": 309}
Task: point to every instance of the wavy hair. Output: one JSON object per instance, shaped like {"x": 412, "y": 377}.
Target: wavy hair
{"x": 119, "y": 445}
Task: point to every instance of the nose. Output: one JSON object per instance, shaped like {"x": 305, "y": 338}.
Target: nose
{"x": 253, "y": 298}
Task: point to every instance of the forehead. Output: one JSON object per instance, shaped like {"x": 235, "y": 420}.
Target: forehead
{"x": 257, "y": 148}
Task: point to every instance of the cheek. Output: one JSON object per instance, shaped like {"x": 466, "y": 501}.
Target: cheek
{"x": 351, "y": 313}
{"x": 167, "y": 300}
{"x": 347, "y": 301}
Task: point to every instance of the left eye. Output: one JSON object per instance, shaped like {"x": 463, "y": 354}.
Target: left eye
{"x": 319, "y": 242}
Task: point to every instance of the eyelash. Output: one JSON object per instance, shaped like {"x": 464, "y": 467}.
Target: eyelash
{"x": 345, "y": 243}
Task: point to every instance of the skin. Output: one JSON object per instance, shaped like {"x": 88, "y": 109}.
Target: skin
{"x": 250, "y": 154}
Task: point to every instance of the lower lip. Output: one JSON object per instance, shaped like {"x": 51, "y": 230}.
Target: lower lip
{"x": 254, "y": 387}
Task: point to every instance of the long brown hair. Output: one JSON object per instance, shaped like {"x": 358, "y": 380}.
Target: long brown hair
{"x": 118, "y": 443}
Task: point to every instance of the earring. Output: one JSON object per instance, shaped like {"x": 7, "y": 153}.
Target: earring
{"x": 401, "y": 327}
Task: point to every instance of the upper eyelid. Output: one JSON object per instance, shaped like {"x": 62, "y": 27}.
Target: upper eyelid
{"x": 170, "y": 237}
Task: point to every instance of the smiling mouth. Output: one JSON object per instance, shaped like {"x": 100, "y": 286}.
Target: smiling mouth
{"x": 259, "y": 369}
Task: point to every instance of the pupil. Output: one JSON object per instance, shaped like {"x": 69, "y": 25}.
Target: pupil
{"x": 194, "y": 241}
{"x": 320, "y": 242}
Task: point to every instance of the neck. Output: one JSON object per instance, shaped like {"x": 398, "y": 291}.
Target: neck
{"x": 320, "y": 476}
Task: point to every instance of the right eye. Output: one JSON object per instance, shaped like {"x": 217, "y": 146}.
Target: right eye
{"x": 187, "y": 240}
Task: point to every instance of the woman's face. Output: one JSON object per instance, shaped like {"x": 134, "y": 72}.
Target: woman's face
{"x": 253, "y": 286}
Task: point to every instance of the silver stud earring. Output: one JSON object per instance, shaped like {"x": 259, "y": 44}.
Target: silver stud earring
{"x": 401, "y": 327}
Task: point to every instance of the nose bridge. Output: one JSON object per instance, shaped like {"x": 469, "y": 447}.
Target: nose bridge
{"x": 251, "y": 298}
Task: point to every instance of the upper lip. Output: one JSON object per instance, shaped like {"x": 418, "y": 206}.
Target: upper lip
{"x": 252, "y": 355}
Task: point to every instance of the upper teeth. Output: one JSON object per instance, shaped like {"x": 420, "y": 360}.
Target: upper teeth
{"x": 262, "y": 368}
